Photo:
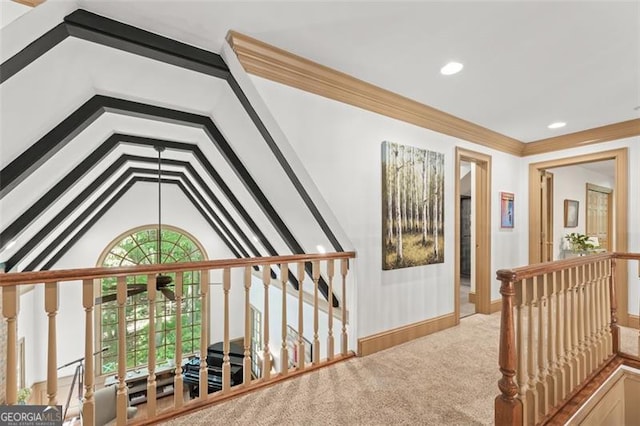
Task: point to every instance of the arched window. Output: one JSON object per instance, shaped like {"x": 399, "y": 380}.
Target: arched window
{"x": 139, "y": 247}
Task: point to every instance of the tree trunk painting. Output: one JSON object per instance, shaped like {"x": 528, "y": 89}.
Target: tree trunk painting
{"x": 412, "y": 206}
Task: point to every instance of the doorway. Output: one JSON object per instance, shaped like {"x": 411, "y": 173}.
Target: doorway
{"x": 467, "y": 240}
{"x": 472, "y": 234}
{"x": 619, "y": 237}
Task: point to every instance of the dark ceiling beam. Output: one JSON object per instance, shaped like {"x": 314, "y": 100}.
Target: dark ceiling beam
{"x": 96, "y": 28}
{"x": 98, "y": 104}
{"x": 97, "y": 215}
{"x": 99, "y": 153}
{"x": 92, "y": 187}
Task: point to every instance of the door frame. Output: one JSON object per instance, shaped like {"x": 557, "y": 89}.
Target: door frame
{"x": 620, "y": 195}
{"x": 482, "y": 229}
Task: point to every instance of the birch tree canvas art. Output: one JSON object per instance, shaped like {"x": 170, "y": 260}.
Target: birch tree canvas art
{"x": 412, "y": 206}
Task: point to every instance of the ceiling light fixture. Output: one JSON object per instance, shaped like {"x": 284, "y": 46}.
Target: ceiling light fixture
{"x": 557, "y": 125}
{"x": 320, "y": 249}
{"x": 451, "y": 68}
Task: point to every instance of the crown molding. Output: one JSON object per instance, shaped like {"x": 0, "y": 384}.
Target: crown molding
{"x": 30, "y": 3}
{"x": 270, "y": 62}
{"x": 278, "y": 65}
{"x": 610, "y": 132}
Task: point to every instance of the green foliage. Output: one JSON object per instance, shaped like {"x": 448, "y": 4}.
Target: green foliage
{"x": 579, "y": 242}
{"x": 141, "y": 248}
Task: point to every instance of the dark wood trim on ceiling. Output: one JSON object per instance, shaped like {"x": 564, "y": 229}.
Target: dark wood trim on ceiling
{"x": 93, "y": 219}
{"x": 96, "y": 184}
{"x": 275, "y": 149}
{"x": 98, "y": 104}
{"x": 49, "y": 198}
{"x": 275, "y": 64}
{"x": 96, "y": 28}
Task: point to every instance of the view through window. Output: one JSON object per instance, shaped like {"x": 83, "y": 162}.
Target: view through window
{"x": 139, "y": 247}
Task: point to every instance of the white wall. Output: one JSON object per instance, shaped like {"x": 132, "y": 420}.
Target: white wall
{"x": 340, "y": 147}
{"x": 569, "y": 183}
{"x": 275, "y": 318}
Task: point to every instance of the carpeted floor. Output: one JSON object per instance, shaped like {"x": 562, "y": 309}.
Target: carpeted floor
{"x": 447, "y": 378}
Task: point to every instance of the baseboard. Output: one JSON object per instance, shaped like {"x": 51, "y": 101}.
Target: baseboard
{"x": 387, "y": 339}
{"x": 472, "y": 297}
{"x": 496, "y": 305}
{"x": 634, "y": 321}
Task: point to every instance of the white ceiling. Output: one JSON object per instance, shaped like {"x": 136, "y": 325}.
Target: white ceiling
{"x": 527, "y": 64}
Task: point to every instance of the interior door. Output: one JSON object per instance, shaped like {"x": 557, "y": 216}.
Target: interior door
{"x": 598, "y": 223}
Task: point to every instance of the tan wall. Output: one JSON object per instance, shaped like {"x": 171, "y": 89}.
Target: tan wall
{"x": 615, "y": 403}
{"x": 632, "y": 391}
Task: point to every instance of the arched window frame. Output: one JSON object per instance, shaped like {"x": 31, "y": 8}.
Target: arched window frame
{"x": 191, "y": 301}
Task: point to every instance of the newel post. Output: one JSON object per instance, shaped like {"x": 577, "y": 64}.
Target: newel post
{"x": 508, "y": 409}
{"x": 615, "y": 331}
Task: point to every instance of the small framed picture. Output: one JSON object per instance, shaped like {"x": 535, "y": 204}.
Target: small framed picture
{"x": 506, "y": 210}
{"x": 570, "y": 213}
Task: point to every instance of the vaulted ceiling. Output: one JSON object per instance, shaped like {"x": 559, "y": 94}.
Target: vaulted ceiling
{"x": 84, "y": 105}
{"x": 526, "y": 64}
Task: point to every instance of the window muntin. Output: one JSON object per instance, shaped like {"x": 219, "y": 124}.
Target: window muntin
{"x": 139, "y": 248}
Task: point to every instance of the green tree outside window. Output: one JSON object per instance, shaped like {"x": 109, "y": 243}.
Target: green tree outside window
{"x": 140, "y": 248}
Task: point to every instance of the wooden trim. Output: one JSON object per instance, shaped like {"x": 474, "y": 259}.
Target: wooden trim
{"x": 30, "y": 3}
{"x": 38, "y": 277}
{"x": 634, "y": 321}
{"x": 610, "y": 132}
{"x": 278, "y": 65}
{"x": 472, "y": 297}
{"x": 272, "y": 63}
{"x": 387, "y": 339}
{"x": 561, "y": 414}
{"x": 496, "y": 306}
{"x": 621, "y": 200}
{"x": 482, "y": 200}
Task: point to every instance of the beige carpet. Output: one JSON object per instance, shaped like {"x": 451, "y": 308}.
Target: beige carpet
{"x": 448, "y": 378}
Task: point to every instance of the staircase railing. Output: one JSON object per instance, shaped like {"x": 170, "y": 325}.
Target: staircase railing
{"x": 559, "y": 328}
{"x": 332, "y": 267}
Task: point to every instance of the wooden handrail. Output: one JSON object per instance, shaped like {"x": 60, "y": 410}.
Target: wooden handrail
{"x": 13, "y": 278}
{"x": 199, "y": 377}
{"x": 570, "y": 311}
{"x": 530, "y": 271}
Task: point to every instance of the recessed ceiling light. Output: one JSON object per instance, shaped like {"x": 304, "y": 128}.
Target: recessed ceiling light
{"x": 557, "y": 125}
{"x": 320, "y": 249}
{"x": 451, "y": 68}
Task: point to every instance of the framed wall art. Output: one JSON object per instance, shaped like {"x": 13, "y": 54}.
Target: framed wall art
{"x": 570, "y": 213}
{"x": 507, "y": 210}
{"x": 412, "y": 206}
